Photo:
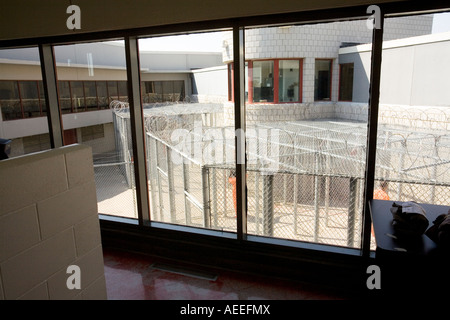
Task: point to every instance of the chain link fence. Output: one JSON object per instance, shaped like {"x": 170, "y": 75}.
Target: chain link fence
{"x": 305, "y": 179}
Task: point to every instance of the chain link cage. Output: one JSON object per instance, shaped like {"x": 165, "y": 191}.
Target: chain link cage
{"x": 305, "y": 179}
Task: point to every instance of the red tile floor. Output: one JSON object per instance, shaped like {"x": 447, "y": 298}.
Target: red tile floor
{"x": 132, "y": 277}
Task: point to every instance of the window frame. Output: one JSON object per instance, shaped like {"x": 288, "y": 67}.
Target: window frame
{"x": 331, "y": 15}
{"x": 330, "y": 81}
{"x": 276, "y": 81}
{"x": 340, "y": 81}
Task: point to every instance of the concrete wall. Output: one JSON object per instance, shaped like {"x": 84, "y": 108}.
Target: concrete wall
{"x": 414, "y": 71}
{"x": 211, "y": 84}
{"x": 28, "y": 19}
{"x": 49, "y": 221}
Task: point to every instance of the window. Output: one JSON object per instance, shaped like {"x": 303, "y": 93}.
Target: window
{"x": 289, "y": 81}
{"x": 22, "y": 99}
{"x": 10, "y": 100}
{"x": 123, "y": 90}
{"x": 112, "y": 91}
{"x": 65, "y": 100}
{"x": 36, "y": 143}
{"x": 102, "y": 95}
{"x": 322, "y": 80}
{"x": 263, "y": 81}
{"x": 90, "y": 92}
{"x": 267, "y": 85}
{"x": 189, "y": 147}
{"x": 78, "y": 93}
{"x": 78, "y": 101}
{"x": 29, "y": 93}
{"x": 346, "y": 82}
{"x": 163, "y": 91}
{"x": 92, "y": 133}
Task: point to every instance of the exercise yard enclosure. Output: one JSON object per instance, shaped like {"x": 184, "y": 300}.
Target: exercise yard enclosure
{"x": 305, "y": 178}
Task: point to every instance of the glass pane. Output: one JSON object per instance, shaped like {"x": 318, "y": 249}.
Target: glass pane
{"x": 289, "y": 80}
{"x": 42, "y": 102}
{"x": 94, "y": 70}
{"x": 263, "y": 84}
{"x": 189, "y": 130}
{"x": 22, "y": 96}
{"x": 65, "y": 102}
{"x": 30, "y": 98}
{"x": 102, "y": 94}
{"x": 123, "y": 90}
{"x": 113, "y": 92}
{"x": 78, "y": 101}
{"x": 90, "y": 91}
{"x": 322, "y": 80}
{"x": 10, "y": 100}
{"x": 306, "y": 159}
{"x": 413, "y": 158}
{"x": 346, "y": 82}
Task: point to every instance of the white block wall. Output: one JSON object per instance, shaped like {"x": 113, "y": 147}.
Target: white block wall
{"x": 49, "y": 221}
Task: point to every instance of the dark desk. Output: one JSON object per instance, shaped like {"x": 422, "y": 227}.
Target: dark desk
{"x": 384, "y": 232}
{"x": 409, "y": 268}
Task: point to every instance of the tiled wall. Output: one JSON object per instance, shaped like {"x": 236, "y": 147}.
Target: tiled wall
{"x": 49, "y": 221}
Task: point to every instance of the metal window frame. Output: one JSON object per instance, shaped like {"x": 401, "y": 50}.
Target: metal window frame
{"x": 238, "y": 24}
{"x": 49, "y": 80}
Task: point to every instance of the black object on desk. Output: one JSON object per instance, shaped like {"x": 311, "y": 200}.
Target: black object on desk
{"x": 386, "y": 239}
{"x": 410, "y": 265}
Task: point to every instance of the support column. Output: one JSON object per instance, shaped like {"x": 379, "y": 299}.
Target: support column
{"x": 48, "y": 68}
{"x": 240, "y": 128}
{"x": 137, "y": 128}
{"x": 372, "y": 128}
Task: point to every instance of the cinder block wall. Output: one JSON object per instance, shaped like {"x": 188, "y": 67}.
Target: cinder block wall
{"x": 49, "y": 221}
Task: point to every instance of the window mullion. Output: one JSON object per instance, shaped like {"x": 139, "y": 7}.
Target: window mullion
{"x": 239, "y": 114}
{"x": 51, "y": 95}
{"x": 374, "y": 97}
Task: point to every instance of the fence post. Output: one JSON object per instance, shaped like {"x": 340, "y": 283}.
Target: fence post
{"x": 206, "y": 199}
{"x": 352, "y": 211}
{"x": 268, "y": 204}
{"x": 214, "y": 195}
{"x": 173, "y": 210}
{"x": 187, "y": 205}
{"x": 257, "y": 201}
{"x": 316, "y": 198}
{"x": 153, "y": 172}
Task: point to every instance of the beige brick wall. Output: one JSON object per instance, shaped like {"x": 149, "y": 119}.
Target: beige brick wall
{"x": 49, "y": 221}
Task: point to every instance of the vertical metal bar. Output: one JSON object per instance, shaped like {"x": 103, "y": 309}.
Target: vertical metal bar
{"x": 239, "y": 124}
{"x": 137, "y": 128}
{"x": 295, "y": 203}
{"x": 434, "y": 169}
{"x": 158, "y": 182}
{"x": 48, "y": 68}
{"x": 257, "y": 196}
{"x": 187, "y": 204}
{"x": 225, "y": 176}
{"x": 400, "y": 169}
{"x": 153, "y": 173}
{"x": 206, "y": 199}
{"x": 353, "y": 193}
{"x": 267, "y": 204}
{"x": 372, "y": 126}
{"x": 171, "y": 182}
{"x": 214, "y": 196}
